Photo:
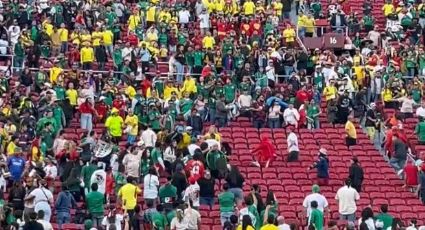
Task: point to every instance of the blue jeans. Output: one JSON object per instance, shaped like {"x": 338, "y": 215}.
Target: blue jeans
{"x": 86, "y": 121}
{"x": 288, "y": 70}
{"x": 397, "y": 164}
{"x": 211, "y": 113}
{"x": 238, "y": 192}
{"x": 258, "y": 124}
{"x": 225, "y": 216}
{"x": 221, "y": 121}
{"x": 274, "y": 123}
{"x": 42, "y": 205}
{"x": 349, "y": 217}
{"x": 131, "y": 139}
{"x": 64, "y": 47}
{"x": 206, "y": 201}
{"x": 63, "y": 218}
{"x": 179, "y": 70}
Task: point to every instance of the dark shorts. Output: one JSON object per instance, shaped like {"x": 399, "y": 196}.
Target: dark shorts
{"x": 350, "y": 141}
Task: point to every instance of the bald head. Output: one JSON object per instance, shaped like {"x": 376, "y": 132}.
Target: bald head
{"x": 280, "y": 220}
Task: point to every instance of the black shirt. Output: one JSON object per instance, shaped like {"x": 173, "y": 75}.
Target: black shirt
{"x": 33, "y": 225}
{"x": 206, "y": 187}
{"x": 370, "y": 114}
{"x": 180, "y": 182}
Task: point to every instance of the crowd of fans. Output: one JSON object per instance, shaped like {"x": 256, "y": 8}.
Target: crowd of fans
{"x": 111, "y": 110}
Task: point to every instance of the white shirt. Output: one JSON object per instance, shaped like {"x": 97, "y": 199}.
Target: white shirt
{"x": 150, "y": 186}
{"x": 192, "y": 193}
{"x": 270, "y": 73}
{"x": 118, "y": 220}
{"x": 99, "y": 177}
{"x": 292, "y": 142}
{"x": 46, "y": 225}
{"x": 148, "y": 138}
{"x": 347, "y": 197}
{"x": 131, "y": 163}
{"x": 204, "y": 20}
{"x": 184, "y": 16}
{"x": 175, "y": 224}
{"x": 284, "y": 227}
{"x": 406, "y": 105}
{"x": 169, "y": 154}
{"x": 191, "y": 148}
{"x": 420, "y": 112}
{"x": 51, "y": 171}
{"x": 245, "y": 100}
{"x": 319, "y": 198}
{"x": 370, "y": 223}
{"x": 192, "y": 216}
{"x": 41, "y": 195}
{"x": 212, "y": 142}
{"x": 291, "y": 116}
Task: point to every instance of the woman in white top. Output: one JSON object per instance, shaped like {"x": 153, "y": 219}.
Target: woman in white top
{"x": 407, "y": 104}
{"x": 179, "y": 222}
{"x": 150, "y": 185}
{"x": 113, "y": 219}
{"x": 367, "y": 219}
{"x": 273, "y": 119}
{"x": 291, "y": 116}
{"x": 42, "y": 198}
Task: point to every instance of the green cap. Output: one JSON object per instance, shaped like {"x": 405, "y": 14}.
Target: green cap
{"x": 88, "y": 224}
{"x": 315, "y": 188}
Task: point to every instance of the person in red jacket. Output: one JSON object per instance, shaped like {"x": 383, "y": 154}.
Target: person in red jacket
{"x": 86, "y": 115}
{"x": 109, "y": 183}
{"x": 195, "y": 168}
{"x": 302, "y": 95}
{"x": 265, "y": 152}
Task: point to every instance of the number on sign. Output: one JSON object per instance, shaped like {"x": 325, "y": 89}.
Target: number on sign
{"x": 332, "y": 40}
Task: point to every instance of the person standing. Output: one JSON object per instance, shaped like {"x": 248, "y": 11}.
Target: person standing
{"x": 322, "y": 202}
{"x": 400, "y": 154}
{"x": 128, "y": 195}
{"x": 293, "y": 148}
{"x": 322, "y": 166}
{"x": 42, "y": 199}
{"x": 356, "y": 174}
{"x": 346, "y": 197}
{"x": 206, "y": 191}
{"x": 384, "y": 217}
{"x": 351, "y": 133}
{"x": 63, "y": 205}
{"x": 226, "y": 199}
{"x": 32, "y": 224}
{"x": 94, "y": 203}
{"x": 316, "y": 216}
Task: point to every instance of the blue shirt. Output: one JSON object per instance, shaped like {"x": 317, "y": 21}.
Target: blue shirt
{"x": 145, "y": 55}
{"x": 16, "y": 167}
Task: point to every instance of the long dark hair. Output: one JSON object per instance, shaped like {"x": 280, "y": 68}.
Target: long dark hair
{"x": 234, "y": 174}
{"x": 270, "y": 198}
{"x": 246, "y": 221}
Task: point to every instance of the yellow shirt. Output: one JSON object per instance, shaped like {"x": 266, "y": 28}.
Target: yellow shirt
{"x": 350, "y": 129}
{"x": 72, "y": 95}
{"x": 63, "y": 34}
{"x": 208, "y": 42}
{"x": 289, "y": 35}
{"x": 168, "y": 91}
{"x": 87, "y": 54}
{"x": 388, "y": 9}
{"x": 309, "y": 25}
{"x": 133, "y": 122}
{"x": 301, "y": 21}
{"x": 97, "y": 37}
{"x": 54, "y": 73}
{"x": 249, "y": 8}
{"x": 185, "y": 141}
{"x": 278, "y": 6}
{"x": 128, "y": 194}
{"x": 150, "y": 14}
{"x": 219, "y": 5}
{"x": 164, "y": 16}
{"x": 248, "y": 228}
{"x": 85, "y": 37}
{"x": 209, "y": 5}
{"x": 189, "y": 86}
{"x": 217, "y": 136}
{"x": 133, "y": 21}
{"x": 269, "y": 227}
{"x": 75, "y": 37}
{"x": 360, "y": 73}
{"x": 48, "y": 28}
{"x": 151, "y": 37}
{"x": 387, "y": 95}
{"x": 130, "y": 92}
{"x": 330, "y": 92}
{"x": 11, "y": 148}
{"x": 114, "y": 124}
{"x": 108, "y": 37}
{"x": 163, "y": 52}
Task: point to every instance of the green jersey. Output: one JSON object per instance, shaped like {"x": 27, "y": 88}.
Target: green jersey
{"x": 226, "y": 201}
{"x": 154, "y": 119}
{"x": 94, "y": 203}
{"x": 229, "y": 92}
{"x": 186, "y": 105}
{"x": 190, "y": 59}
{"x": 167, "y": 194}
{"x": 60, "y": 92}
{"x": 198, "y": 57}
{"x": 316, "y": 219}
{"x": 420, "y": 131}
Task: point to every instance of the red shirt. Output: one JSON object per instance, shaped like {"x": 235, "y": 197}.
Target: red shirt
{"x": 101, "y": 109}
{"x": 86, "y": 108}
{"x": 302, "y": 96}
{"x": 195, "y": 169}
{"x": 411, "y": 174}
{"x": 109, "y": 183}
